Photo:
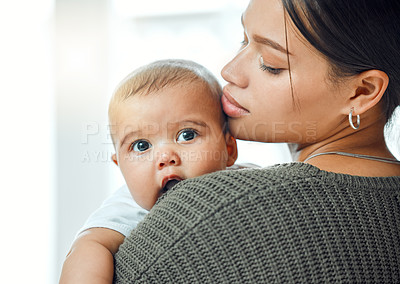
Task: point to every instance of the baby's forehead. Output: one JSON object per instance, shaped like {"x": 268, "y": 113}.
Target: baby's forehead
{"x": 191, "y": 92}
{"x": 196, "y": 96}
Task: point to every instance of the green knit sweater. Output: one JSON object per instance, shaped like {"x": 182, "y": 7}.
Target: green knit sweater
{"x": 286, "y": 223}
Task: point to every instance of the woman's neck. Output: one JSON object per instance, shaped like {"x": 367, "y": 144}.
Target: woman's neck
{"x": 366, "y": 141}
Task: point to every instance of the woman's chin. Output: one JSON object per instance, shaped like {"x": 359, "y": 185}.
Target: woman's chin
{"x": 241, "y": 130}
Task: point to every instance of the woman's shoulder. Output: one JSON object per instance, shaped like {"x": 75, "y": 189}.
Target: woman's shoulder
{"x": 250, "y": 179}
{"x": 294, "y": 179}
{"x": 295, "y": 174}
{"x": 275, "y": 174}
{"x": 223, "y": 187}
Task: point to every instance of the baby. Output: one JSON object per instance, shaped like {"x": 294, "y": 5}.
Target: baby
{"x": 167, "y": 125}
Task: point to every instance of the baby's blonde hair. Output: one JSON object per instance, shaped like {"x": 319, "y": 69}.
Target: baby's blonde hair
{"x": 164, "y": 73}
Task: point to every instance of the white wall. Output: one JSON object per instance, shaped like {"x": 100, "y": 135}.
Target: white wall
{"x": 392, "y": 136}
{"x": 27, "y": 141}
{"x": 81, "y": 85}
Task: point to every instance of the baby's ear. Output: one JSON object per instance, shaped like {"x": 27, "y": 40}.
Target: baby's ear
{"x": 232, "y": 149}
{"x": 114, "y": 158}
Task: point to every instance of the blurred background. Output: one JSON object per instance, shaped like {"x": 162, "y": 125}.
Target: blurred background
{"x": 59, "y": 63}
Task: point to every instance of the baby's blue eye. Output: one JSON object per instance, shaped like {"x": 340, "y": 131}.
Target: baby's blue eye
{"x": 186, "y": 135}
{"x": 140, "y": 146}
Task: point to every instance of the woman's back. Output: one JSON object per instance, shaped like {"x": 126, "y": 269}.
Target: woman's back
{"x": 286, "y": 223}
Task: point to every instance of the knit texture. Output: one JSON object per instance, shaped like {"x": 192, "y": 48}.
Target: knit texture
{"x": 286, "y": 223}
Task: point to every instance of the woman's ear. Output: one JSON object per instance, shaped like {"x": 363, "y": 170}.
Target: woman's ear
{"x": 114, "y": 158}
{"x": 369, "y": 88}
{"x": 232, "y": 149}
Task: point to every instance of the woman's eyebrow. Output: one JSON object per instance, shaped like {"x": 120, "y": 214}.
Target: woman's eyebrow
{"x": 268, "y": 42}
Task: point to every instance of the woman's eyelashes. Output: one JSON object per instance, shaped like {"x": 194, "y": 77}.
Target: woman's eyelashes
{"x": 186, "y": 135}
{"x": 263, "y": 67}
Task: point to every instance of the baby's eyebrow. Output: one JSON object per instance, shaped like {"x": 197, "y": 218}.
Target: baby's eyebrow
{"x": 128, "y": 135}
{"x": 189, "y": 121}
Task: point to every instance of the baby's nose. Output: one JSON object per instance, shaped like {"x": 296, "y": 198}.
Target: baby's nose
{"x": 168, "y": 159}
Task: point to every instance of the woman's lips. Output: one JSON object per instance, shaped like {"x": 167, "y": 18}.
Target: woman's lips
{"x": 231, "y": 107}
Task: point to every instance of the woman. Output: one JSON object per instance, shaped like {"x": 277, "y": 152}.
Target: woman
{"x": 323, "y": 76}
{"x": 305, "y": 96}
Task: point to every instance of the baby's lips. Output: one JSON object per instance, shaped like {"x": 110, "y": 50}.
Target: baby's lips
{"x": 170, "y": 178}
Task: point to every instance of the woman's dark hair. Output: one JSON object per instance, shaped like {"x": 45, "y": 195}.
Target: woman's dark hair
{"x": 355, "y": 36}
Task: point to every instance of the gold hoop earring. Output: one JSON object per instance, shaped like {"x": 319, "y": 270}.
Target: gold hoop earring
{"x": 351, "y": 119}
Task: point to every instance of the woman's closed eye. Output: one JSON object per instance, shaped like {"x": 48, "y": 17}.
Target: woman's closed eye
{"x": 263, "y": 67}
{"x": 186, "y": 135}
{"x": 140, "y": 145}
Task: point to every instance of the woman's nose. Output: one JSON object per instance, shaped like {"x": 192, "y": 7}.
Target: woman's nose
{"x": 168, "y": 158}
{"x": 234, "y": 71}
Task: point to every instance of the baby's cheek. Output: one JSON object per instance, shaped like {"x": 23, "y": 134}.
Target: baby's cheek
{"x": 141, "y": 197}
{"x": 217, "y": 161}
